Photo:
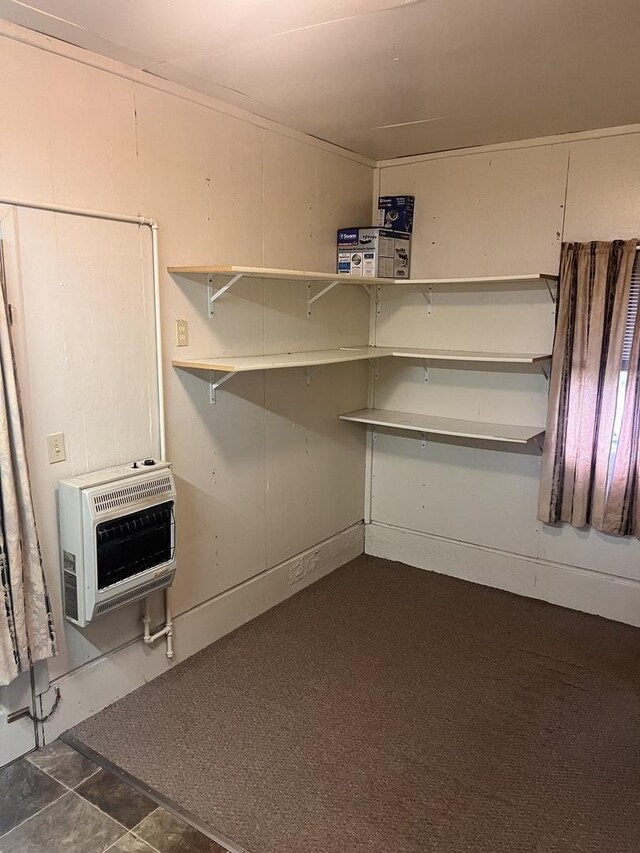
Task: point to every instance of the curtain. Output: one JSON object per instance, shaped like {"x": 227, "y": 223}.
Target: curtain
{"x": 26, "y": 624}
{"x": 583, "y": 482}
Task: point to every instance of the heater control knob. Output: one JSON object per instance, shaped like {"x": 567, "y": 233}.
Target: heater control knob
{"x": 149, "y": 462}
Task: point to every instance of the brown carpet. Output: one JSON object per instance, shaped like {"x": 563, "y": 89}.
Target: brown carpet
{"x": 391, "y": 710}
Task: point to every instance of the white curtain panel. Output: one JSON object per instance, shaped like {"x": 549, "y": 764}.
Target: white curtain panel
{"x": 26, "y": 625}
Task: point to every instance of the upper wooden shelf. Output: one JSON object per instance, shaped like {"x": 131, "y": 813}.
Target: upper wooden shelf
{"x": 281, "y": 275}
{"x": 307, "y": 275}
{"x": 471, "y": 355}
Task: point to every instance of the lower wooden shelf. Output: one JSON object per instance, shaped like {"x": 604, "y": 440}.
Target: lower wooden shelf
{"x": 446, "y": 426}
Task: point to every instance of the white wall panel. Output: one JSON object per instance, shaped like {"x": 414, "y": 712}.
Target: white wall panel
{"x": 603, "y": 192}
{"x": 224, "y": 191}
{"x": 471, "y": 494}
{"x": 86, "y": 324}
{"x": 315, "y": 463}
{"x": 483, "y": 214}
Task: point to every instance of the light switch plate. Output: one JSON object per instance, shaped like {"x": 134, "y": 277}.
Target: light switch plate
{"x": 182, "y": 333}
{"x": 55, "y": 447}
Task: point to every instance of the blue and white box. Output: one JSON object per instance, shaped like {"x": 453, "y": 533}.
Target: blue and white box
{"x": 373, "y": 252}
{"x": 396, "y": 212}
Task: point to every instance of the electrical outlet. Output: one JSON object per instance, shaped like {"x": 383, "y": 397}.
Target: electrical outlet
{"x": 182, "y": 333}
{"x": 55, "y": 447}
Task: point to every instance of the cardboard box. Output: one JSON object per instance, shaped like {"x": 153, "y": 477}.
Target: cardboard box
{"x": 396, "y": 212}
{"x": 373, "y": 252}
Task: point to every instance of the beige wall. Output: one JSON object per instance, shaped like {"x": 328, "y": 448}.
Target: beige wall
{"x": 495, "y": 211}
{"x": 267, "y": 472}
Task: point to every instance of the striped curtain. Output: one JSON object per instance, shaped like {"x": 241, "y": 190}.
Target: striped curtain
{"x": 590, "y": 460}
{"x": 26, "y": 625}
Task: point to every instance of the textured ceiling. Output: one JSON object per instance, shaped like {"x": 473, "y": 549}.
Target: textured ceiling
{"x": 385, "y": 78}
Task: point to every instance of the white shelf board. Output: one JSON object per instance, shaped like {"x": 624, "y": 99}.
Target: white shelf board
{"x": 275, "y": 361}
{"x": 445, "y": 426}
{"x": 470, "y": 355}
{"x": 306, "y": 275}
{"x": 277, "y": 274}
{"x": 524, "y": 280}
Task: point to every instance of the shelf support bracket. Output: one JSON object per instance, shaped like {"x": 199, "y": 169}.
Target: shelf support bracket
{"x": 311, "y": 299}
{"x": 375, "y": 363}
{"x": 546, "y": 370}
{"x": 308, "y": 373}
{"x": 426, "y": 370}
{"x": 373, "y": 294}
{"x": 214, "y": 384}
{"x": 552, "y": 288}
{"x": 213, "y": 294}
{"x": 539, "y": 442}
{"x": 427, "y": 292}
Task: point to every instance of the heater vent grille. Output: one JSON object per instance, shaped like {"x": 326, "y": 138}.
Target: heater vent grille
{"x": 132, "y": 595}
{"x": 127, "y": 495}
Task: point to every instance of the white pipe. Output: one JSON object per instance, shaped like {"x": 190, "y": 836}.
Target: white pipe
{"x": 78, "y": 211}
{"x": 167, "y": 631}
{"x": 158, "y": 325}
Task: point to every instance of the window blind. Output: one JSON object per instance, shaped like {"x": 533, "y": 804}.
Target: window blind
{"x": 632, "y": 311}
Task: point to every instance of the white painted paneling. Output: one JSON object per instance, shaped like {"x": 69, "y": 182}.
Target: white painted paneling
{"x": 493, "y": 213}
{"x": 224, "y": 190}
{"x": 603, "y": 192}
{"x": 472, "y": 494}
{"x": 86, "y": 328}
{"x": 308, "y": 195}
{"x": 613, "y": 555}
{"x": 219, "y": 457}
{"x": 498, "y": 213}
{"x": 497, "y": 394}
{"x": 315, "y": 463}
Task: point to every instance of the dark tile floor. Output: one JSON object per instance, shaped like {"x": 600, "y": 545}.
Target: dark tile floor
{"x": 58, "y": 801}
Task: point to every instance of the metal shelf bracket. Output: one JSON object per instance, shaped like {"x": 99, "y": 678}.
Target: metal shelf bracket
{"x": 375, "y": 363}
{"x": 427, "y": 292}
{"x": 213, "y": 294}
{"x": 553, "y": 290}
{"x": 308, "y": 373}
{"x": 214, "y": 384}
{"x": 374, "y": 293}
{"x": 311, "y": 298}
{"x": 545, "y": 367}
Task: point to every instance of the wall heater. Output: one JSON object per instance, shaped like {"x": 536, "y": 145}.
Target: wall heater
{"x": 117, "y": 537}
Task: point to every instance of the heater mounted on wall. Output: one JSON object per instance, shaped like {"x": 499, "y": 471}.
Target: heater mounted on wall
{"x": 117, "y": 537}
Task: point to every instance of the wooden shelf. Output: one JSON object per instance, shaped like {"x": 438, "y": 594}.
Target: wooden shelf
{"x": 445, "y": 426}
{"x": 244, "y": 363}
{"x": 277, "y": 274}
{"x": 470, "y": 355}
{"x": 525, "y": 280}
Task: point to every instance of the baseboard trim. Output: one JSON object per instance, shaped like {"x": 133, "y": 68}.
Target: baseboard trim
{"x": 91, "y": 688}
{"x": 579, "y": 589}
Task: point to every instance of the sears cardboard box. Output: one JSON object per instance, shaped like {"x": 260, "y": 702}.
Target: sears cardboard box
{"x": 396, "y": 212}
{"x": 373, "y": 252}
